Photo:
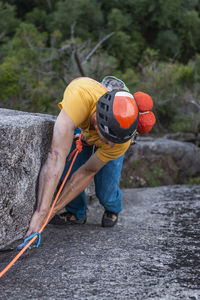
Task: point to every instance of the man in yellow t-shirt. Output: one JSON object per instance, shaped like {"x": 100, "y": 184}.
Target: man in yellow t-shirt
{"x": 107, "y": 114}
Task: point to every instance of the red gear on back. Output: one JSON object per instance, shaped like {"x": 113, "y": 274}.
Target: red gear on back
{"x": 146, "y": 118}
{"x": 144, "y": 101}
{"x": 146, "y": 122}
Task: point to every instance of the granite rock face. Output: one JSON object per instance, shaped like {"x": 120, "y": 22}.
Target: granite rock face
{"x": 154, "y": 162}
{"x": 24, "y": 141}
{"x": 151, "y": 254}
{"x": 184, "y": 137}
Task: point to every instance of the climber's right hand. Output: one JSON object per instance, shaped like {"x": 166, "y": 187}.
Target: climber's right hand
{"x": 36, "y": 222}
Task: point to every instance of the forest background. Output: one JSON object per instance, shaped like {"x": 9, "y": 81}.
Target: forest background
{"x": 153, "y": 45}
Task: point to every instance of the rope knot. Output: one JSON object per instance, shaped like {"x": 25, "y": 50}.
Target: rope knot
{"x": 79, "y": 145}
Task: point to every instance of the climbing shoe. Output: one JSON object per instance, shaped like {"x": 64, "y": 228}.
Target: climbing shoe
{"x": 109, "y": 219}
{"x": 67, "y": 218}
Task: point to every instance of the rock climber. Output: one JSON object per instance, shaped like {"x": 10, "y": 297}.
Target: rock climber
{"x": 109, "y": 117}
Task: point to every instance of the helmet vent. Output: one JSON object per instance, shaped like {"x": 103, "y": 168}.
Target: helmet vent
{"x": 101, "y": 116}
{"x": 111, "y": 132}
{"x": 117, "y": 118}
{"x": 108, "y": 97}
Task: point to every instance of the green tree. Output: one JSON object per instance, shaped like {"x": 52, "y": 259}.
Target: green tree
{"x": 118, "y": 21}
{"x": 23, "y": 68}
{"x": 85, "y": 13}
{"x": 38, "y": 17}
{"x": 22, "y": 6}
{"x": 9, "y": 79}
{"x": 25, "y": 6}
{"x": 168, "y": 43}
{"x": 8, "y": 21}
{"x": 189, "y": 34}
{"x": 41, "y": 73}
{"x": 125, "y": 50}
{"x": 166, "y": 13}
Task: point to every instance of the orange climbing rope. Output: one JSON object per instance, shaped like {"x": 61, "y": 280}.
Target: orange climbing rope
{"x": 75, "y": 152}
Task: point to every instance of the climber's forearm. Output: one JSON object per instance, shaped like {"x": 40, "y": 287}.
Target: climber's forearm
{"x": 78, "y": 182}
{"x": 48, "y": 181}
{"x": 52, "y": 170}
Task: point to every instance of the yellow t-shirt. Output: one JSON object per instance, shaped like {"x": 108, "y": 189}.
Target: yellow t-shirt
{"x": 79, "y": 102}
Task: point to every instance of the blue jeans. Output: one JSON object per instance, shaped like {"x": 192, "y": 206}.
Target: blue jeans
{"x": 106, "y": 183}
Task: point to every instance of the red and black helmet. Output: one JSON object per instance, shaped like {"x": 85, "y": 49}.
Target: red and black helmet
{"x": 117, "y": 116}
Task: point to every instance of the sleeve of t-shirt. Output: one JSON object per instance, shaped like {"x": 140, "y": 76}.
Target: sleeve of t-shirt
{"x": 107, "y": 153}
{"x": 76, "y": 104}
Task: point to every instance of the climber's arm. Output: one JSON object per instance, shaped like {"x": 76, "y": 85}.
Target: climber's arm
{"x": 53, "y": 168}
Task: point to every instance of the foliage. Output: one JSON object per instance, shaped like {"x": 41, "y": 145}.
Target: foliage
{"x": 189, "y": 34}
{"x": 194, "y": 181}
{"x": 8, "y": 79}
{"x": 183, "y": 122}
{"x": 85, "y": 13}
{"x": 154, "y": 46}
{"x": 168, "y": 43}
{"x": 22, "y": 70}
{"x": 154, "y": 175}
{"x": 175, "y": 90}
{"x": 142, "y": 174}
{"x": 38, "y": 18}
{"x": 8, "y": 21}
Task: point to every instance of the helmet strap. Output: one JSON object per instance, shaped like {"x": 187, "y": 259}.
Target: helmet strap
{"x": 95, "y": 121}
{"x": 96, "y": 127}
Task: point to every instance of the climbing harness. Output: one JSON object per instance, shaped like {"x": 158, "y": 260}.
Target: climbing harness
{"x": 30, "y": 239}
